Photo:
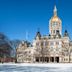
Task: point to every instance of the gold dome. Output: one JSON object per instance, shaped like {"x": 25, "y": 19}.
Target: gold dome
{"x": 55, "y": 19}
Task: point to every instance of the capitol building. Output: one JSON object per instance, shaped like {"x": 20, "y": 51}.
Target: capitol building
{"x": 53, "y": 48}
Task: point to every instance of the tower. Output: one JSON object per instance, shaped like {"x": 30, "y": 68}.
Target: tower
{"x": 55, "y": 24}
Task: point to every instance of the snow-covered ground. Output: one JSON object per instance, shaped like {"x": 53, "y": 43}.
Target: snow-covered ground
{"x": 35, "y": 67}
{"x": 40, "y": 64}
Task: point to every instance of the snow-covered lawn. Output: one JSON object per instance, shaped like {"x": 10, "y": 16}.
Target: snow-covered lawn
{"x": 40, "y": 64}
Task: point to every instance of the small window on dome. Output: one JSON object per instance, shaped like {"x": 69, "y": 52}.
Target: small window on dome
{"x": 57, "y": 31}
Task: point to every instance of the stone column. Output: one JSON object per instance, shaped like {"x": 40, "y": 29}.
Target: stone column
{"x": 54, "y": 60}
{"x": 49, "y": 59}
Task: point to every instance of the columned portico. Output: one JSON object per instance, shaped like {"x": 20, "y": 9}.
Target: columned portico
{"x": 47, "y": 59}
{"x": 42, "y": 59}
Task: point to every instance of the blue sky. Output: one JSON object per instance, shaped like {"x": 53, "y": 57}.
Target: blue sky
{"x": 20, "y": 16}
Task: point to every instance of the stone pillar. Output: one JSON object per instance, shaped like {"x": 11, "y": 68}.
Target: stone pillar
{"x": 39, "y": 59}
{"x": 49, "y": 59}
{"x": 54, "y": 60}
{"x": 60, "y": 59}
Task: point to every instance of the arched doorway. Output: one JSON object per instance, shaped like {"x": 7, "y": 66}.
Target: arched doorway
{"x": 57, "y": 59}
{"x": 51, "y": 59}
{"x": 47, "y": 59}
{"x": 37, "y": 59}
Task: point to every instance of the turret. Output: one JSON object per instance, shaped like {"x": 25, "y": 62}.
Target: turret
{"x": 38, "y": 35}
{"x": 66, "y": 33}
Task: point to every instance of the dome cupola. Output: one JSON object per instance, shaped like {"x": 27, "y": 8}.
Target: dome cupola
{"x": 55, "y": 23}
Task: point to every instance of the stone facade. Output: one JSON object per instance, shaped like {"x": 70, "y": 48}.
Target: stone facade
{"x": 53, "y": 48}
{"x": 24, "y": 52}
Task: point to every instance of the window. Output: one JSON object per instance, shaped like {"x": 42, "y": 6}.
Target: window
{"x": 45, "y": 43}
{"x": 65, "y": 59}
{"x": 54, "y": 24}
{"x": 29, "y": 51}
{"x": 37, "y": 44}
{"x": 41, "y": 43}
{"x": 51, "y": 43}
{"x": 57, "y": 31}
{"x": 57, "y": 43}
{"x": 53, "y": 31}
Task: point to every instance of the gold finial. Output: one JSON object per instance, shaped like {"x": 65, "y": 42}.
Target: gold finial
{"x": 55, "y": 11}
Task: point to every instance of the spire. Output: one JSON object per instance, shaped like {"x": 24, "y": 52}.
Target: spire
{"x": 55, "y": 11}
{"x": 38, "y": 34}
{"x": 66, "y": 34}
